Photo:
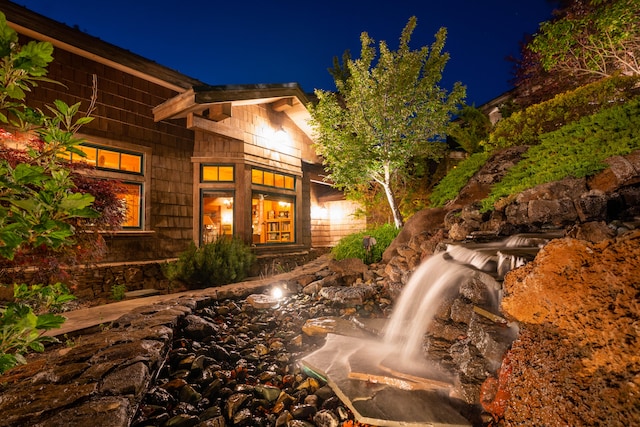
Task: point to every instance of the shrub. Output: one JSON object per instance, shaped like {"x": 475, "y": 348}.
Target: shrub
{"x": 525, "y": 127}
{"x": 224, "y": 261}
{"x": 576, "y": 150}
{"x": 449, "y": 187}
{"x": 351, "y": 246}
{"x": 44, "y": 298}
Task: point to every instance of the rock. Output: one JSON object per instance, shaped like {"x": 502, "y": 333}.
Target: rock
{"x": 460, "y": 231}
{"x": 424, "y": 220}
{"x": 109, "y": 411}
{"x": 577, "y": 300}
{"x": 182, "y": 420}
{"x": 594, "y": 232}
{"x": 197, "y": 328}
{"x": 622, "y": 171}
{"x": 262, "y": 301}
{"x": 326, "y": 418}
{"x": 132, "y": 379}
{"x": 234, "y": 403}
{"x": 348, "y": 295}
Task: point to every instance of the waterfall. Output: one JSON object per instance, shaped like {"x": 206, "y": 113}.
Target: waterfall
{"x": 435, "y": 279}
{"x": 440, "y": 276}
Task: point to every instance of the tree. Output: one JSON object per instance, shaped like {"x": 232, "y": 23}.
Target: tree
{"x": 384, "y": 115}
{"x": 472, "y": 127}
{"x": 594, "y": 37}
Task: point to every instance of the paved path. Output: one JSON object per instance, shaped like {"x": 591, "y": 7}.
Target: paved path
{"x": 85, "y": 318}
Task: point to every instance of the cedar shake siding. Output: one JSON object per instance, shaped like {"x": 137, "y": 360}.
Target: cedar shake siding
{"x": 209, "y": 161}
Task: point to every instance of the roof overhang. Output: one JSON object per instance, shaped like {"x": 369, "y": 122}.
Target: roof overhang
{"x": 215, "y": 102}
{"x": 38, "y": 27}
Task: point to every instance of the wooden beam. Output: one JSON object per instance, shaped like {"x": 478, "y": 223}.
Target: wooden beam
{"x": 282, "y": 104}
{"x": 218, "y": 112}
{"x": 174, "y": 107}
{"x": 201, "y": 123}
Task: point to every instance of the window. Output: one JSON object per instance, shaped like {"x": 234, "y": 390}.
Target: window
{"x": 272, "y": 179}
{"x": 272, "y": 218}
{"x": 217, "y": 215}
{"x": 121, "y": 165}
{"x": 132, "y": 196}
{"x": 110, "y": 159}
{"x": 217, "y": 173}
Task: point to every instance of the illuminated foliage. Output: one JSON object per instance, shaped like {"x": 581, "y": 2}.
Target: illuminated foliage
{"x": 44, "y": 201}
{"x": 386, "y": 115}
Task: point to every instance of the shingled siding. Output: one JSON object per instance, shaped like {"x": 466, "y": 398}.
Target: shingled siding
{"x": 123, "y": 117}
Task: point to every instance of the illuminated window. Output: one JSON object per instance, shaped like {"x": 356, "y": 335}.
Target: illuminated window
{"x": 132, "y": 196}
{"x": 272, "y": 219}
{"x": 217, "y": 173}
{"x": 272, "y": 179}
{"x": 109, "y": 158}
{"x": 113, "y": 163}
{"x": 217, "y": 215}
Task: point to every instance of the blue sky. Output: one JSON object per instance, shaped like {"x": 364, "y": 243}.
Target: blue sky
{"x": 282, "y": 41}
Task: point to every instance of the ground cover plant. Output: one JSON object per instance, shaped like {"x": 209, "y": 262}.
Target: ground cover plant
{"x": 353, "y": 245}
{"x": 449, "y": 187}
{"x": 526, "y": 126}
{"x": 576, "y": 150}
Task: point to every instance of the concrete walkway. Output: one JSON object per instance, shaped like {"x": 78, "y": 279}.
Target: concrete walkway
{"x": 88, "y": 318}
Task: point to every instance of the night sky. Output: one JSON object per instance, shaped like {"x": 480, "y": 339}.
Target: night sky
{"x": 282, "y": 41}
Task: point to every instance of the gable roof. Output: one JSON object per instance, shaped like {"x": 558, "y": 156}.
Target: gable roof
{"x": 193, "y": 94}
{"x": 39, "y": 27}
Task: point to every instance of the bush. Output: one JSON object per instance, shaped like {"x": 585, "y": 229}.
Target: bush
{"x": 214, "y": 264}
{"x": 449, "y": 187}
{"x": 525, "y": 127}
{"x": 577, "y": 150}
{"x": 351, "y": 246}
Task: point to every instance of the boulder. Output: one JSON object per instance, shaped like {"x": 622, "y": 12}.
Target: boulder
{"x": 426, "y": 220}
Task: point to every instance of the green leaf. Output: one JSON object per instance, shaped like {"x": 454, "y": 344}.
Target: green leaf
{"x": 76, "y": 201}
{"x": 29, "y": 174}
{"x": 49, "y": 321}
{"x": 36, "y": 346}
{"x": 8, "y": 361}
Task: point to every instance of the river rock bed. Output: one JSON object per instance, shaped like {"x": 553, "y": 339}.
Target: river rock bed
{"x": 234, "y": 364}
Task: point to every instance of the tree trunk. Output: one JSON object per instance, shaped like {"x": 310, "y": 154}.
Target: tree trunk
{"x": 397, "y": 215}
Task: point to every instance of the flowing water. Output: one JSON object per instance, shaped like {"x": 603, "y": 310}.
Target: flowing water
{"x": 445, "y": 334}
{"x": 440, "y": 276}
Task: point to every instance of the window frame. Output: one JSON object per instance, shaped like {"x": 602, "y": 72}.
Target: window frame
{"x": 77, "y": 158}
{"x": 274, "y": 174}
{"x": 217, "y": 165}
{"x": 141, "y": 178}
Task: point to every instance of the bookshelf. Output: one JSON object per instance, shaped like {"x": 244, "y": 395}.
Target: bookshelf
{"x": 279, "y": 230}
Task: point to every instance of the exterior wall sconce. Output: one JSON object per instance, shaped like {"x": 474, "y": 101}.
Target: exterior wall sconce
{"x": 280, "y": 137}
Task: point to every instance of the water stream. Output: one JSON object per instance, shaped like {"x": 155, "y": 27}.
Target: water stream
{"x": 440, "y": 276}
{"x": 444, "y": 336}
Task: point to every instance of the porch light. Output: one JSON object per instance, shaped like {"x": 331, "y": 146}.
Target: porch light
{"x": 280, "y": 137}
{"x": 319, "y": 212}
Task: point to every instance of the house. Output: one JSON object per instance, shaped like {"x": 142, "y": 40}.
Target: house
{"x": 198, "y": 161}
